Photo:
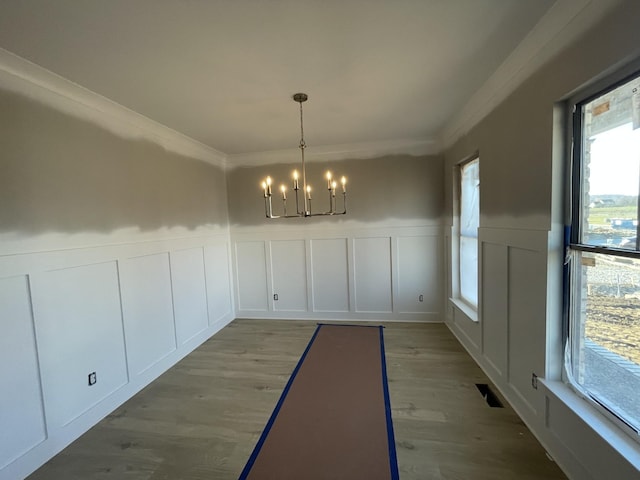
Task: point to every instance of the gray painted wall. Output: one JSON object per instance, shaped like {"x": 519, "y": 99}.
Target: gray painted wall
{"x": 392, "y": 187}
{"x": 62, "y": 174}
{"x": 515, "y": 140}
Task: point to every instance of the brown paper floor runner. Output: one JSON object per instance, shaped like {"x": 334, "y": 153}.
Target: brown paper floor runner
{"x": 333, "y": 420}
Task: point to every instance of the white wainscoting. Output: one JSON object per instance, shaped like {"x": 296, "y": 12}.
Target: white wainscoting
{"x": 495, "y": 306}
{"x": 372, "y": 275}
{"x": 22, "y": 424}
{"x": 417, "y": 266}
{"x": 251, "y": 272}
{"x": 189, "y": 293}
{"x": 218, "y": 277}
{"x": 330, "y": 275}
{"x": 79, "y": 330}
{"x": 146, "y": 293}
{"x": 364, "y": 273}
{"x": 127, "y": 312}
{"x": 509, "y": 340}
{"x": 289, "y": 275}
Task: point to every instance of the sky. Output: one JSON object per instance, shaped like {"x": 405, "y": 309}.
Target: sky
{"x": 615, "y": 161}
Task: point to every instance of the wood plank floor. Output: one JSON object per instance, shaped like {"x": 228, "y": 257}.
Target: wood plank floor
{"x": 202, "y": 418}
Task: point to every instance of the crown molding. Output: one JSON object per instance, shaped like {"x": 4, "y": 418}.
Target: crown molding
{"x": 562, "y": 24}
{"x": 26, "y": 78}
{"x": 565, "y": 21}
{"x": 350, "y": 151}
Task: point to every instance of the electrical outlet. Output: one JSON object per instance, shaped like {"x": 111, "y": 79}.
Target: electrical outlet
{"x": 534, "y": 381}
{"x": 92, "y": 378}
{"x": 421, "y": 298}
{"x": 275, "y": 296}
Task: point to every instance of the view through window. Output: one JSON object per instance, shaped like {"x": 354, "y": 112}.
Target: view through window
{"x": 603, "y": 357}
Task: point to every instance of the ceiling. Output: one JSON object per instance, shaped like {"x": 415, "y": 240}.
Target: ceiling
{"x": 223, "y": 72}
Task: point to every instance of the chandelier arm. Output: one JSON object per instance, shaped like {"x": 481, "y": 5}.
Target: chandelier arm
{"x": 326, "y": 214}
{"x": 270, "y": 206}
{"x": 306, "y": 189}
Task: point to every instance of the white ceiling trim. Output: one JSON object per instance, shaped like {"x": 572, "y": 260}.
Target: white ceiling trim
{"x": 557, "y": 28}
{"x": 24, "y": 77}
{"x": 351, "y": 151}
{"x": 563, "y": 23}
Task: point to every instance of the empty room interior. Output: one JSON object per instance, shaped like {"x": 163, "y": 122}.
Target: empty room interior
{"x": 188, "y": 189}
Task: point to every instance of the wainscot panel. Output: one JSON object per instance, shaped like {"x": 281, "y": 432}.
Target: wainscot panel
{"x": 103, "y": 327}
{"x": 338, "y": 273}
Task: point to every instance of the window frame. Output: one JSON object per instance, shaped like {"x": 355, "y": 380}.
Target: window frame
{"x": 461, "y": 302}
{"x": 575, "y": 221}
{"x": 604, "y": 86}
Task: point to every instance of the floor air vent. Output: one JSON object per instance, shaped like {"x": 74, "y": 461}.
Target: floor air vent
{"x": 489, "y": 397}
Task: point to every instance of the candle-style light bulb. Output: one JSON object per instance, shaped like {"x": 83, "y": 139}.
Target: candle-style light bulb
{"x": 268, "y": 185}
{"x": 329, "y": 180}
{"x": 283, "y": 189}
{"x": 343, "y": 181}
{"x": 333, "y": 188}
{"x": 309, "y": 192}
{"x": 264, "y": 187}
{"x": 295, "y": 180}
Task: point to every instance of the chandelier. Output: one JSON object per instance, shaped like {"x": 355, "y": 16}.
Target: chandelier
{"x": 306, "y": 189}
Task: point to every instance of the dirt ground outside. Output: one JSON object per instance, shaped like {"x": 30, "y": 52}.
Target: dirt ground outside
{"x": 614, "y": 323}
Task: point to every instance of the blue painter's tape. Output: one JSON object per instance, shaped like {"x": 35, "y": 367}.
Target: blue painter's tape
{"x": 350, "y": 325}
{"x": 566, "y": 291}
{"x": 393, "y": 458}
{"x": 265, "y": 432}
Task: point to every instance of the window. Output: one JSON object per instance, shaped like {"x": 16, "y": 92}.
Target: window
{"x": 603, "y": 344}
{"x": 469, "y": 216}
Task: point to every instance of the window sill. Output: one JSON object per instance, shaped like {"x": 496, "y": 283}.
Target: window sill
{"x": 465, "y": 308}
{"x": 607, "y": 430}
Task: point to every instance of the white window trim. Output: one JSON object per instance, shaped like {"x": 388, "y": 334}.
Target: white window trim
{"x": 464, "y": 307}
{"x": 617, "y": 438}
{"x": 456, "y": 299}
